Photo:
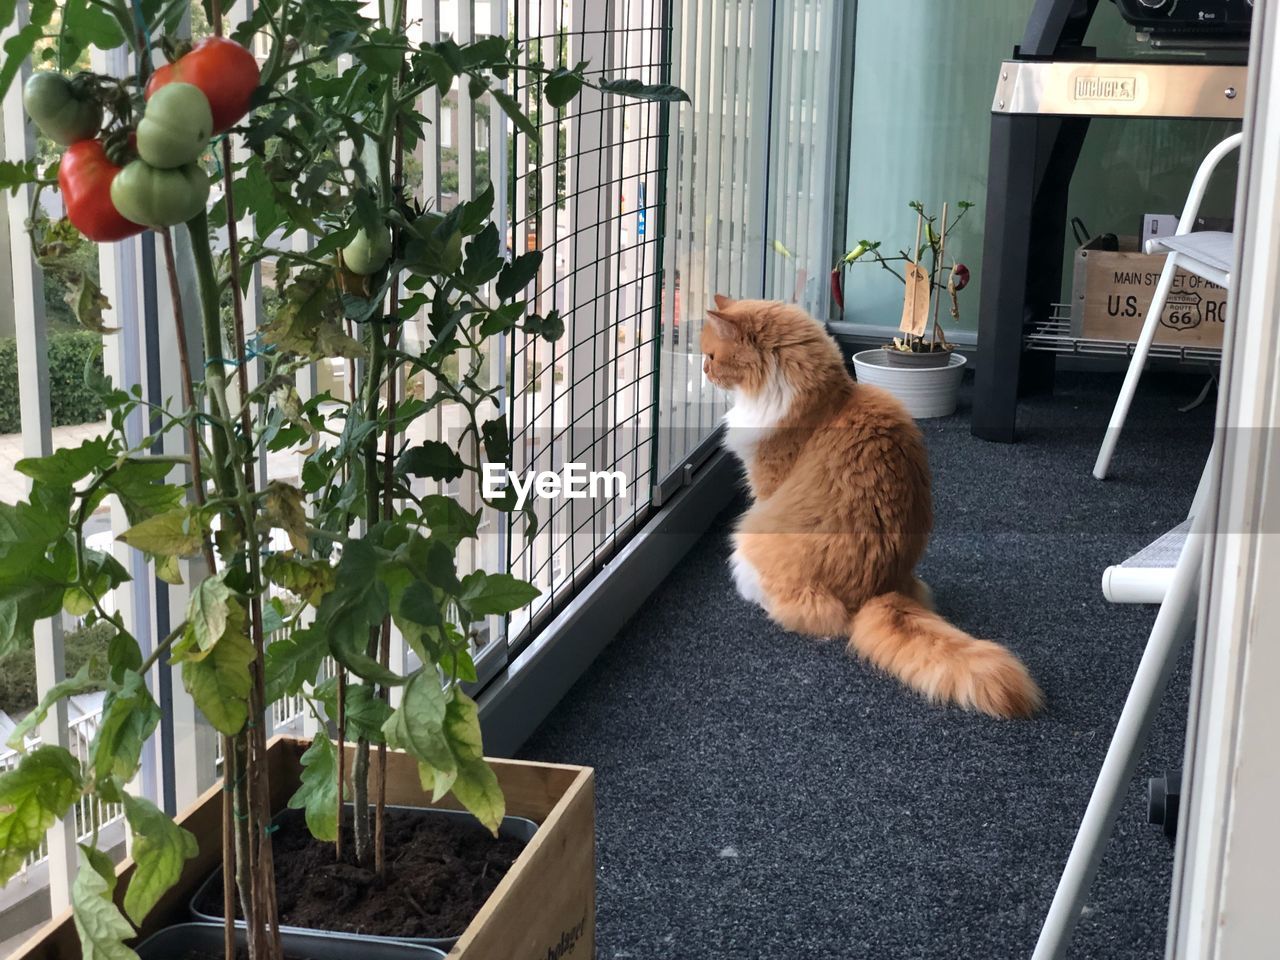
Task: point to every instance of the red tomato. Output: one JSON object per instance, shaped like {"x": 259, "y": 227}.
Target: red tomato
{"x": 85, "y": 176}
{"x": 225, "y": 72}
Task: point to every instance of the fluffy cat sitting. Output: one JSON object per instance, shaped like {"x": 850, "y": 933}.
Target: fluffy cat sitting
{"x": 841, "y": 509}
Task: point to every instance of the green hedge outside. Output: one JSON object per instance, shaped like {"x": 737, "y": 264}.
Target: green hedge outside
{"x": 70, "y": 401}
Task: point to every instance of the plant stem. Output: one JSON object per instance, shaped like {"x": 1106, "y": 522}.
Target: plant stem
{"x": 375, "y": 371}
{"x": 258, "y": 693}
{"x": 391, "y": 105}
{"x": 188, "y": 390}
{"x": 360, "y": 766}
{"x": 263, "y": 930}
{"x": 342, "y": 757}
{"x": 162, "y": 646}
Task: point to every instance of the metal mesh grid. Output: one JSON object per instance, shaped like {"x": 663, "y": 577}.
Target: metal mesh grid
{"x": 587, "y": 191}
{"x": 457, "y": 163}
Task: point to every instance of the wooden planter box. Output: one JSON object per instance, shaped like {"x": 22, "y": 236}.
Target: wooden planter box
{"x": 545, "y": 907}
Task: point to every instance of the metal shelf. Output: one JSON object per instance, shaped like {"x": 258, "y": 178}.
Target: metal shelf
{"x": 1054, "y": 336}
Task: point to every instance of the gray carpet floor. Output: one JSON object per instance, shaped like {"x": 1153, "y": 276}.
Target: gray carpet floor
{"x": 761, "y": 794}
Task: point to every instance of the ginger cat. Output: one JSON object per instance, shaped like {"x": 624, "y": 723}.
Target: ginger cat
{"x": 842, "y": 510}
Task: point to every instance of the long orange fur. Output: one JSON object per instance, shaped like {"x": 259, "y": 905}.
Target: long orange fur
{"x": 842, "y": 509}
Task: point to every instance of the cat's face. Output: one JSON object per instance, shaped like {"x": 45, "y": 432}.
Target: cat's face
{"x": 732, "y": 357}
{"x": 745, "y": 342}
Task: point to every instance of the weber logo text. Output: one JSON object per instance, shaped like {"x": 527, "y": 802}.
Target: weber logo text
{"x": 1113, "y": 89}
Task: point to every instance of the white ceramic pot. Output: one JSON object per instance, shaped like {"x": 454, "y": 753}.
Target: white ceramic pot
{"x": 924, "y": 391}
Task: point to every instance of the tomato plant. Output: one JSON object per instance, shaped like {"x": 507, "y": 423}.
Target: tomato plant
{"x": 366, "y": 549}
{"x": 85, "y": 176}
{"x": 63, "y": 109}
{"x": 224, "y": 71}
{"x": 176, "y": 127}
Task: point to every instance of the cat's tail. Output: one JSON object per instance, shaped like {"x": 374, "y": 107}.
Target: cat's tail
{"x": 902, "y": 637}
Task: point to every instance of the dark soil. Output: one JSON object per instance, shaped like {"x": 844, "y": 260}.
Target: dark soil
{"x": 440, "y": 871}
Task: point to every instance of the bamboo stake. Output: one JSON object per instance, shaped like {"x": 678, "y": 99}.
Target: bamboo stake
{"x": 384, "y": 653}
{"x": 942, "y": 259}
{"x": 228, "y": 856}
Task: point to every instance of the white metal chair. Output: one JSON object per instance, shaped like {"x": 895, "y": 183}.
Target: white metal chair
{"x": 1167, "y": 572}
{"x": 1208, "y": 254}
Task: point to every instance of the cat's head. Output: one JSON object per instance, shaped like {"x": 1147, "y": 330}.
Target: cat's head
{"x": 746, "y": 343}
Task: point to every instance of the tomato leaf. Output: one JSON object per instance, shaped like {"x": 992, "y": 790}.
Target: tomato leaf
{"x": 518, "y": 274}
{"x": 33, "y": 796}
{"x": 417, "y": 725}
{"x": 482, "y": 261}
{"x": 19, "y": 46}
{"x": 283, "y": 506}
{"x": 317, "y": 793}
{"x": 476, "y": 785}
{"x": 550, "y": 327}
{"x": 139, "y": 486}
{"x": 66, "y": 467}
{"x": 346, "y": 614}
{"x": 208, "y": 612}
{"x": 628, "y": 87}
{"x": 129, "y": 716}
{"x": 81, "y": 682}
{"x": 102, "y": 927}
{"x": 495, "y": 593}
{"x": 306, "y": 323}
{"x": 87, "y": 302}
{"x": 220, "y": 682}
{"x": 431, "y": 458}
{"x": 383, "y": 54}
{"x": 561, "y": 86}
{"x": 365, "y": 712}
{"x": 450, "y": 522}
{"x": 293, "y": 661}
{"x": 513, "y": 110}
{"x": 85, "y": 24}
{"x": 14, "y": 174}
{"x": 174, "y": 533}
{"x": 306, "y": 578}
{"x": 160, "y": 848}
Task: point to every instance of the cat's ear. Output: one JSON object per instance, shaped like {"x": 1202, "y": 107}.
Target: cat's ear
{"x": 724, "y": 325}
{"x": 723, "y": 302}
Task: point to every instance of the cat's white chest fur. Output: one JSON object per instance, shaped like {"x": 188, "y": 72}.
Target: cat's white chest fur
{"x": 753, "y": 416}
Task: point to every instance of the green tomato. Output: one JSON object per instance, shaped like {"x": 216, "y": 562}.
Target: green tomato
{"x": 56, "y": 106}
{"x": 367, "y": 255}
{"x": 176, "y": 127}
{"x": 159, "y": 198}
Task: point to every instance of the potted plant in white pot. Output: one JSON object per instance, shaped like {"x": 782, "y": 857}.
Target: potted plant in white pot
{"x": 920, "y": 367}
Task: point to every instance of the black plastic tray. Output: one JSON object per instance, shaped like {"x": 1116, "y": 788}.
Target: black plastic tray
{"x": 511, "y": 828}
{"x": 174, "y": 942}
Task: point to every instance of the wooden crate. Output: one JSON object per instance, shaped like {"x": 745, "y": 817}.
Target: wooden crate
{"x": 544, "y": 908}
{"x": 1111, "y": 291}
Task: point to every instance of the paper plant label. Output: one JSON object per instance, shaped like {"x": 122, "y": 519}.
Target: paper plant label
{"x": 915, "y": 303}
